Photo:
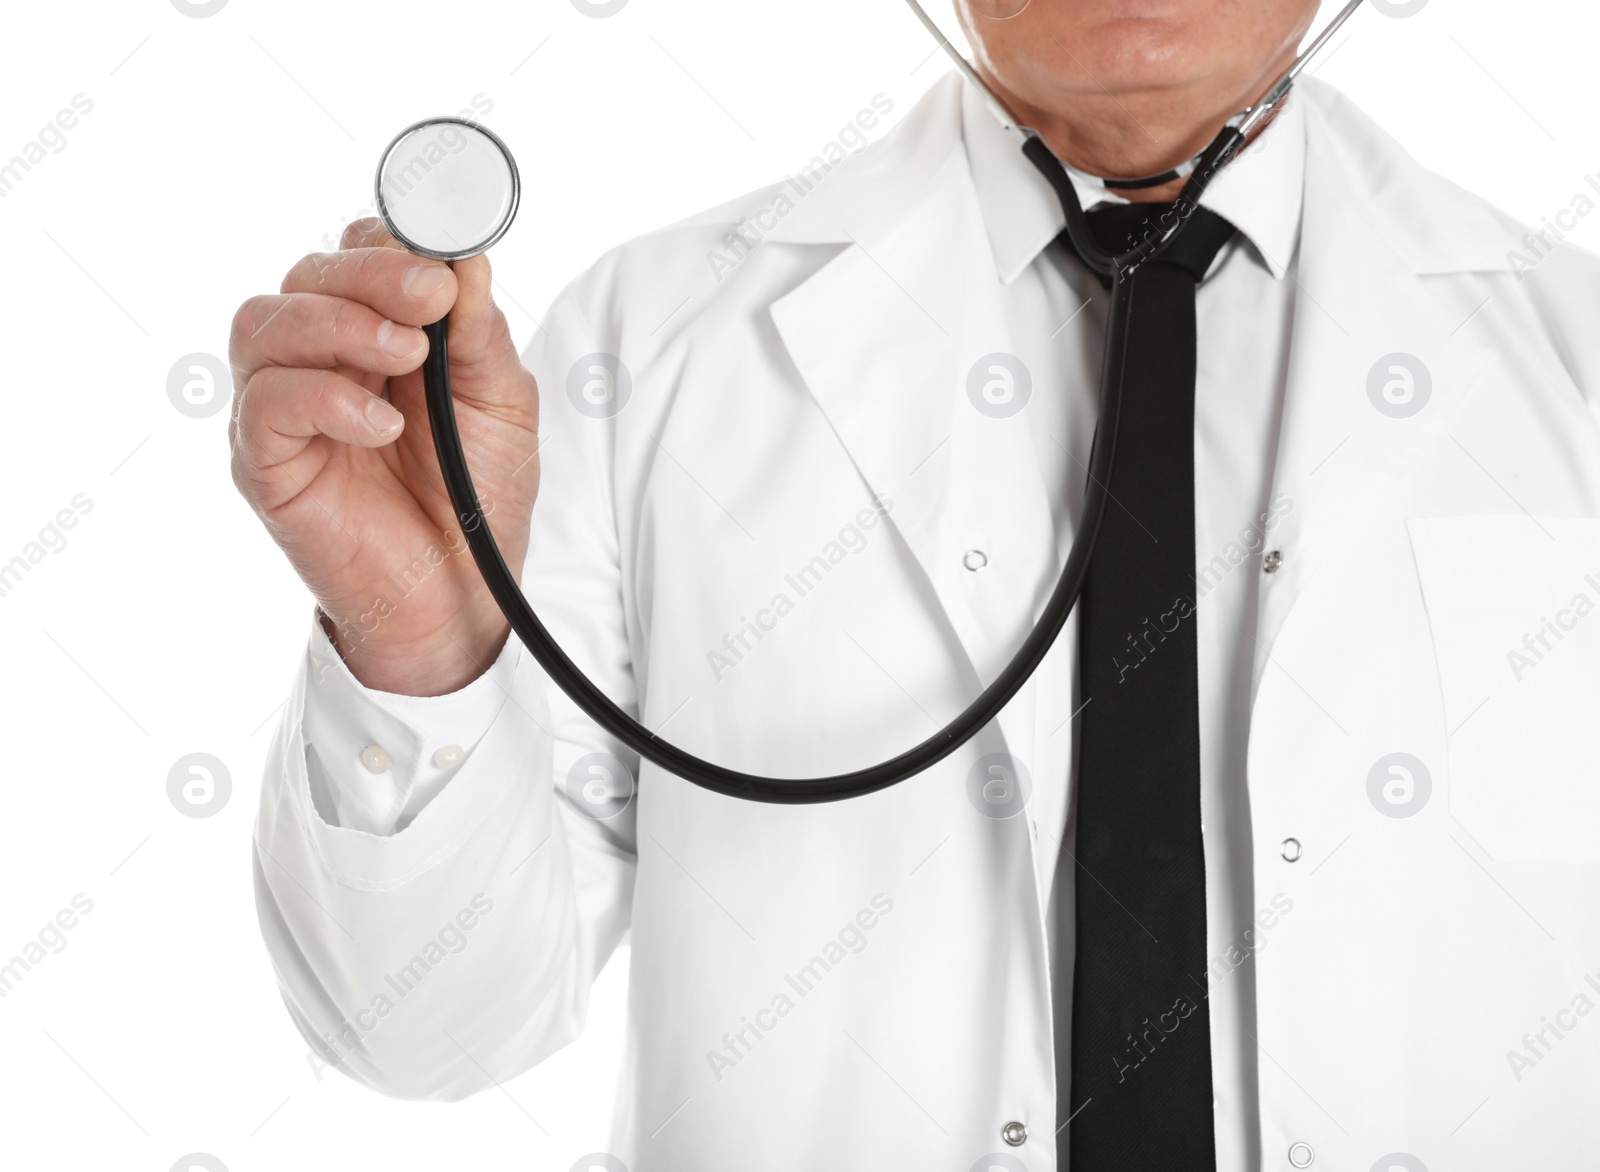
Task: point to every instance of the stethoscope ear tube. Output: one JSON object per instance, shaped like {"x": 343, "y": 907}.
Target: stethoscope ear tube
{"x": 733, "y": 783}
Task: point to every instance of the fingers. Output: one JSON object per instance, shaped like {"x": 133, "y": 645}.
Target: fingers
{"x": 358, "y": 309}
{"x": 399, "y": 285}
{"x": 476, "y": 326}
{"x": 367, "y": 232}
{"x": 280, "y": 410}
{"x": 315, "y": 330}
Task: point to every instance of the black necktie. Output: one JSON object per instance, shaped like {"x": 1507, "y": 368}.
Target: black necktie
{"x": 1139, "y": 1092}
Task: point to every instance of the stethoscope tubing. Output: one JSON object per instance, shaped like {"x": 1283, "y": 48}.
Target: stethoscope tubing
{"x": 613, "y": 719}
{"x": 600, "y": 708}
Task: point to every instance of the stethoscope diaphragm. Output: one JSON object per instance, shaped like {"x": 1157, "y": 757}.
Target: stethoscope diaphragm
{"x": 447, "y": 188}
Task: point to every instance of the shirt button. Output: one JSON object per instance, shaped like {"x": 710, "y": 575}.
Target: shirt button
{"x": 1014, "y": 1133}
{"x": 375, "y": 759}
{"x": 975, "y": 560}
{"x": 1301, "y": 1155}
{"x": 1290, "y": 851}
{"x": 448, "y": 757}
{"x": 1271, "y": 560}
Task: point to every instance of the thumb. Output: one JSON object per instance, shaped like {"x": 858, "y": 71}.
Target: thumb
{"x": 485, "y": 369}
{"x": 478, "y": 331}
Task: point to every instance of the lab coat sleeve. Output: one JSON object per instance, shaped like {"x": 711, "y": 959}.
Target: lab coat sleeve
{"x": 422, "y": 740}
{"x": 433, "y": 948}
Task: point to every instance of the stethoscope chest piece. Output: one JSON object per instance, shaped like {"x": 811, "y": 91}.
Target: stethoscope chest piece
{"x": 447, "y": 188}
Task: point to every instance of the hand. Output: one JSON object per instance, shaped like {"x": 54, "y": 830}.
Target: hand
{"x": 331, "y": 447}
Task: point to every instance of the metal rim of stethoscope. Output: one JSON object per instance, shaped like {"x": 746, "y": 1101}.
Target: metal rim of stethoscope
{"x": 981, "y": 711}
{"x": 422, "y": 249}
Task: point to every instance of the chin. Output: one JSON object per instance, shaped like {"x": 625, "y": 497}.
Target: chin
{"x": 1120, "y": 45}
{"x": 1139, "y": 52}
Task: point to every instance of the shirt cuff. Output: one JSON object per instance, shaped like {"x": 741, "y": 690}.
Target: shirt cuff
{"x": 375, "y": 759}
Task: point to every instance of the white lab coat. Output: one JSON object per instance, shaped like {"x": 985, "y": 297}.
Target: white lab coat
{"x": 820, "y": 385}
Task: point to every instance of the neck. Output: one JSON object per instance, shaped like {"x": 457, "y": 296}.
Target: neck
{"x": 1133, "y": 134}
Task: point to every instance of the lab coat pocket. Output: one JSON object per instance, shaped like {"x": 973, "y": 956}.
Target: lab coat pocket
{"x": 1513, "y": 603}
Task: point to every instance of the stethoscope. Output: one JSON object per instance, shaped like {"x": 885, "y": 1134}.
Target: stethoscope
{"x": 448, "y": 188}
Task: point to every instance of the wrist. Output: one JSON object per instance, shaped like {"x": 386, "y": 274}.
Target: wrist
{"x": 437, "y": 666}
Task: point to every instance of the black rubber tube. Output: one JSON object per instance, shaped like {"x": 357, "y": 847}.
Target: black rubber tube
{"x": 731, "y": 782}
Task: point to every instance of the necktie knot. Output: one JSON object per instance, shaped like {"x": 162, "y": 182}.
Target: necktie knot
{"x": 1118, "y": 227}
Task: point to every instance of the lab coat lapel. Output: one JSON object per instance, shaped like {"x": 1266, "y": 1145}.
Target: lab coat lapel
{"x": 877, "y": 357}
{"x": 884, "y": 336}
{"x": 1368, "y": 248}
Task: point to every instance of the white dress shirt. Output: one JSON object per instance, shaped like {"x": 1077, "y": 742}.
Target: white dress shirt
{"x": 1243, "y": 310}
{"x": 1243, "y": 318}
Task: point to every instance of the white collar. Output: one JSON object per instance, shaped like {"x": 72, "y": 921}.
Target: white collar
{"x": 1259, "y": 192}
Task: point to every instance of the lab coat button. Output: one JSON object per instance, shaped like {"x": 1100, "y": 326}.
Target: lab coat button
{"x": 1290, "y": 850}
{"x": 1300, "y": 1155}
{"x": 375, "y": 759}
{"x": 1014, "y": 1133}
{"x": 974, "y": 559}
{"x": 448, "y": 757}
{"x": 1271, "y": 560}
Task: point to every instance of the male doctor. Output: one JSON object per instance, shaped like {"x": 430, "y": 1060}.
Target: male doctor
{"x": 1286, "y": 857}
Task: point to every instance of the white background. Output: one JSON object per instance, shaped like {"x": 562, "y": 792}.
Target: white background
{"x": 217, "y": 152}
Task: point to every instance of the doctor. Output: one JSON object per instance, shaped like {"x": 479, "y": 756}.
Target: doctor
{"x": 792, "y": 479}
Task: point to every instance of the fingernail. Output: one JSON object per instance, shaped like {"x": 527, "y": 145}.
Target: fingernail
{"x": 382, "y": 415}
{"x": 424, "y": 280}
{"x": 401, "y": 341}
